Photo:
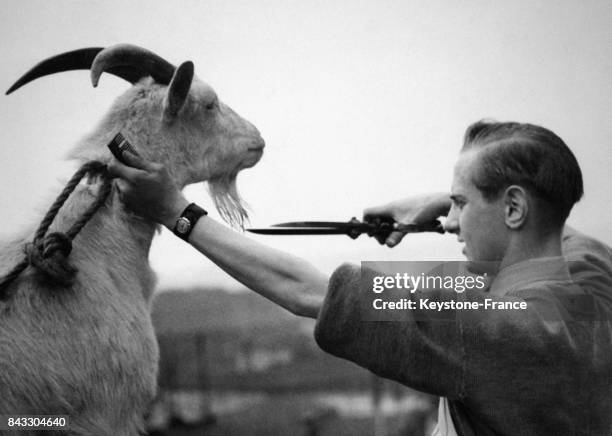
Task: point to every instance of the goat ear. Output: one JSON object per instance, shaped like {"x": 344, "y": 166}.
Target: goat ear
{"x": 178, "y": 90}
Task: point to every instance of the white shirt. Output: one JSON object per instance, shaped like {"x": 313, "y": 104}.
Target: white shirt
{"x": 445, "y": 426}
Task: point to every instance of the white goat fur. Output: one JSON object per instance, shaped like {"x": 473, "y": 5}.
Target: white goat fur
{"x": 89, "y": 350}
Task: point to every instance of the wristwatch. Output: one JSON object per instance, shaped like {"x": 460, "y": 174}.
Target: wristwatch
{"x": 187, "y": 221}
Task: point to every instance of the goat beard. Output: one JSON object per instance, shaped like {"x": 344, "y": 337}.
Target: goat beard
{"x": 231, "y": 207}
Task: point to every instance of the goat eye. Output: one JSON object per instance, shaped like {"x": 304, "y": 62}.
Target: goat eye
{"x": 210, "y": 106}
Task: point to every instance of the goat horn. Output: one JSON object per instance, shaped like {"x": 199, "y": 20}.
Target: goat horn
{"x": 141, "y": 62}
{"x": 125, "y": 61}
{"x": 73, "y": 60}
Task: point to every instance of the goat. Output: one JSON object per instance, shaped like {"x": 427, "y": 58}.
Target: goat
{"x": 88, "y": 350}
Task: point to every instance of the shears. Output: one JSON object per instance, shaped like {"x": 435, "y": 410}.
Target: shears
{"x": 352, "y": 228}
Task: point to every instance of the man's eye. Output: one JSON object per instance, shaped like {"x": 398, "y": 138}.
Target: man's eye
{"x": 458, "y": 203}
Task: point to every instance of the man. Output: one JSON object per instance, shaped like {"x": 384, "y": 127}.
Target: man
{"x": 546, "y": 370}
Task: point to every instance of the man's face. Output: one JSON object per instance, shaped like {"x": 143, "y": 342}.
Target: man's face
{"x": 477, "y": 222}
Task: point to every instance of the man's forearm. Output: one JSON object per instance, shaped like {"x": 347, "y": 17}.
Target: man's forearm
{"x": 282, "y": 278}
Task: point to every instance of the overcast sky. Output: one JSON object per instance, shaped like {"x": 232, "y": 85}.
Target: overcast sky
{"x": 359, "y": 102}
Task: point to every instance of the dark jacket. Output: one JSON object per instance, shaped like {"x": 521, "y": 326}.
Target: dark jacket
{"x": 546, "y": 370}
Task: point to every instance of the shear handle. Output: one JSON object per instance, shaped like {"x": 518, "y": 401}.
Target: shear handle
{"x": 384, "y": 226}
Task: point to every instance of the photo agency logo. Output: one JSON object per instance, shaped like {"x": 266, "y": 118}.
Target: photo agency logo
{"x": 444, "y": 291}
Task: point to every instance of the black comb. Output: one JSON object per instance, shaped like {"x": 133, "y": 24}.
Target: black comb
{"x": 119, "y": 145}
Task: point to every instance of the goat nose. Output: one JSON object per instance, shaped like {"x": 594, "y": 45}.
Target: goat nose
{"x": 258, "y": 138}
{"x": 257, "y": 144}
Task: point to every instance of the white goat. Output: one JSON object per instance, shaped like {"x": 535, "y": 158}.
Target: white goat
{"x": 88, "y": 350}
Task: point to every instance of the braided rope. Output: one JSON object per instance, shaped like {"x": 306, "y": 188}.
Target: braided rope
{"x": 49, "y": 253}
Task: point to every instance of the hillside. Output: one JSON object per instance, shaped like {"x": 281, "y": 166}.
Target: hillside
{"x": 211, "y": 339}
{"x": 215, "y": 310}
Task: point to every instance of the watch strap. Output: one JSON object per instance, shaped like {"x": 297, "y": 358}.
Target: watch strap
{"x": 187, "y": 221}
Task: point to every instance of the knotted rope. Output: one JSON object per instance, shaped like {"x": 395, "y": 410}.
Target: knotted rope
{"x": 49, "y": 253}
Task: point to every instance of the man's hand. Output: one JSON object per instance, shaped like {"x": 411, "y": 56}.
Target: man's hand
{"x": 419, "y": 209}
{"x": 148, "y": 189}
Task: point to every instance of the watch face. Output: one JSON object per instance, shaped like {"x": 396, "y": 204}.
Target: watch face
{"x": 183, "y": 225}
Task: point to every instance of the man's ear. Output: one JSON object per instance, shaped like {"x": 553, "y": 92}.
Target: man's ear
{"x": 516, "y": 206}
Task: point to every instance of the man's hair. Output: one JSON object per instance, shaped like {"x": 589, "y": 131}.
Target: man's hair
{"x": 529, "y": 156}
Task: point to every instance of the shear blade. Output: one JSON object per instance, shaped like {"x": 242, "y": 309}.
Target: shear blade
{"x": 315, "y": 224}
{"x": 298, "y": 231}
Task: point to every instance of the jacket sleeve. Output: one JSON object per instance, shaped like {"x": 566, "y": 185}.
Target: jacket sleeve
{"x": 413, "y": 353}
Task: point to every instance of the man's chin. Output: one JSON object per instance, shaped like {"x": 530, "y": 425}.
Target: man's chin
{"x": 482, "y": 267}
{"x": 479, "y": 266}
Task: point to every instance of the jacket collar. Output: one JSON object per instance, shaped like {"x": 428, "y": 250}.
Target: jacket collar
{"x": 530, "y": 273}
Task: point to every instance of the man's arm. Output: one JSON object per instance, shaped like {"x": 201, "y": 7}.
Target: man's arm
{"x": 147, "y": 188}
{"x": 287, "y": 280}
{"x": 282, "y": 278}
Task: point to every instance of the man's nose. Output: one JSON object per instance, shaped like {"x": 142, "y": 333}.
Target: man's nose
{"x": 451, "y": 225}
